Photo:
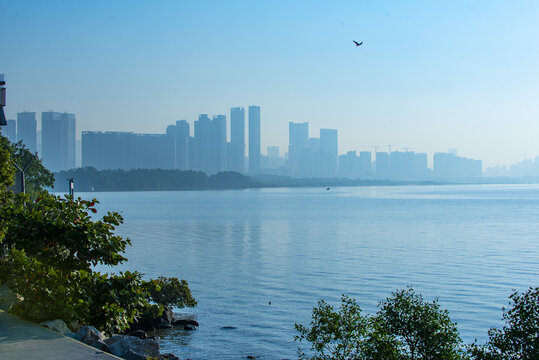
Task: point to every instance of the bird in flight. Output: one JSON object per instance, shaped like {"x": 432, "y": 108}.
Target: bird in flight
{"x": 357, "y": 44}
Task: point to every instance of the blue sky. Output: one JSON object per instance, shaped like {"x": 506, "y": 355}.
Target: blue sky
{"x": 431, "y": 75}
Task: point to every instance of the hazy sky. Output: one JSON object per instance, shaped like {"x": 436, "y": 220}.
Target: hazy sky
{"x": 431, "y": 75}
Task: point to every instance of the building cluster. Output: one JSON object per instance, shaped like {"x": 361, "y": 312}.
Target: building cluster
{"x": 55, "y": 143}
{"x": 525, "y": 168}
{"x": 206, "y": 148}
{"x": 407, "y": 165}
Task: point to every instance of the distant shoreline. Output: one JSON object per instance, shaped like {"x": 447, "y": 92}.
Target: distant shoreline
{"x": 92, "y": 180}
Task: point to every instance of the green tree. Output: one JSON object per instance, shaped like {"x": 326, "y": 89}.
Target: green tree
{"x": 421, "y": 329}
{"x": 49, "y": 245}
{"x": 37, "y": 177}
{"x": 519, "y": 338}
{"x": 405, "y": 328}
{"x": 344, "y": 333}
{"x": 60, "y": 232}
{"x": 6, "y": 172}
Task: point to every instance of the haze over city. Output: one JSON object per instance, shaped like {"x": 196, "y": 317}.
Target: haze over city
{"x": 430, "y": 77}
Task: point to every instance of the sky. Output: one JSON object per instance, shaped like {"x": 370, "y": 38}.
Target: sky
{"x": 430, "y": 75}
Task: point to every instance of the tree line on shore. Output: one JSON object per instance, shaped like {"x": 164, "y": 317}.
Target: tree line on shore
{"x": 89, "y": 179}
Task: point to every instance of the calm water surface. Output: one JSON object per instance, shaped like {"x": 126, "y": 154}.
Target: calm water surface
{"x": 239, "y": 250}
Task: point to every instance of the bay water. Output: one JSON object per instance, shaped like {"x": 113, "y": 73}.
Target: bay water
{"x": 258, "y": 261}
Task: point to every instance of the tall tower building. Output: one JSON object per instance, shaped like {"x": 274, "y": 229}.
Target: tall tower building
{"x": 254, "y": 138}
{"x": 210, "y": 138}
{"x": 202, "y": 143}
{"x": 218, "y": 141}
{"x": 180, "y": 133}
{"x": 237, "y": 139}
{"x": 27, "y": 129}
{"x": 58, "y": 140}
{"x": 298, "y": 141}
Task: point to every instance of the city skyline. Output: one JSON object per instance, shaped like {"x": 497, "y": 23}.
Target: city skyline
{"x": 431, "y": 76}
{"x": 26, "y": 128}
{"x": 59, "y": 136}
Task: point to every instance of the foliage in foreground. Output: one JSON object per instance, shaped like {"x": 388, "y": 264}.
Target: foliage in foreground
{"x": 50, "y": 244}
{"x": 407, "y": 327}
{"x": 37, "y": 177}
{"x": 345, "y": 334}
{"x": 519, "y": 338}
{"x": 420, "y": 328}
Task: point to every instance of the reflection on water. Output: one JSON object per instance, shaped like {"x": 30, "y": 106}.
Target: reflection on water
{"x": 241, "y": 250}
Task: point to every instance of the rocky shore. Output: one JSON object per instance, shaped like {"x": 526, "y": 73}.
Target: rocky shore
{"x": 134, "y": 344}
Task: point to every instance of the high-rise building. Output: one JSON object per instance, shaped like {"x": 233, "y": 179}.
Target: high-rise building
{"x": 401, "y": 165}
{"x": 329, "y": 157}
{"x": 210, "y": 139}
{"x": 27, "y": 130}
{"x": 155, "y": 151}
{"x": 298, "y": 140}
{"x": 219, "y": 143}
{"x": 109, "y": 150}
{"x": 349, "y": 165}
{"x": 236, "y": 157}
{"x": 365, "y": 165}
{"x": 273, "y": 152}
{"x": 58, "y": 140}
{"x": 10, "y": 131}
{"x": 254, "y": 139}
{"x": 203, "y": 143}
{"x": 449, "y": 165}
{"x": 125, "y": 150}
{"x": 382, "y": 165}
{"x": 180, "y": 133}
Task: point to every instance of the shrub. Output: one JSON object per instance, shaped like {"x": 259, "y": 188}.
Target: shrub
{"x": 519, "y": 338}
{"x": 405, "y": 327}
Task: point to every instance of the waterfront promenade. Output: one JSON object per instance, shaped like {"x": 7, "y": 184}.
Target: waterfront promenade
{"x": 21, "y": 339}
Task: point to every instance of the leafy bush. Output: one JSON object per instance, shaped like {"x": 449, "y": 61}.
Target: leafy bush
{"x": 405, "y": 327}
{"x": 37, "y": 177}
{"x": 170, "y": 292}
{"x": 108, "y": 302}
{"x": 60, "y": 232}
{"x": 421, "y": 329}
{"x": 344, "y": 334}
{"x": 49, "y": 245}
{"x": 519, "y": 338}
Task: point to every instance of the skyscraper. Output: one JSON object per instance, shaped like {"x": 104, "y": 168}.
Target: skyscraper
{"x": 218, "y": 141}
{"x": 27, "y": 129}
{"x": 58, "y": 140}
{"x": 180, "y": 133}
{"x": 237, "y": 139}
{"x": 210, "y": 138}
{"x": 254, "y": 139}
{"x": 298, "y": 140}
{"x": 382, "y": 165}
{"x": 126, "y": 150}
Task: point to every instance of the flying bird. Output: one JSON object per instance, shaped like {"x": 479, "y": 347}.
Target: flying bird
{"x": 357, "y": 44}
